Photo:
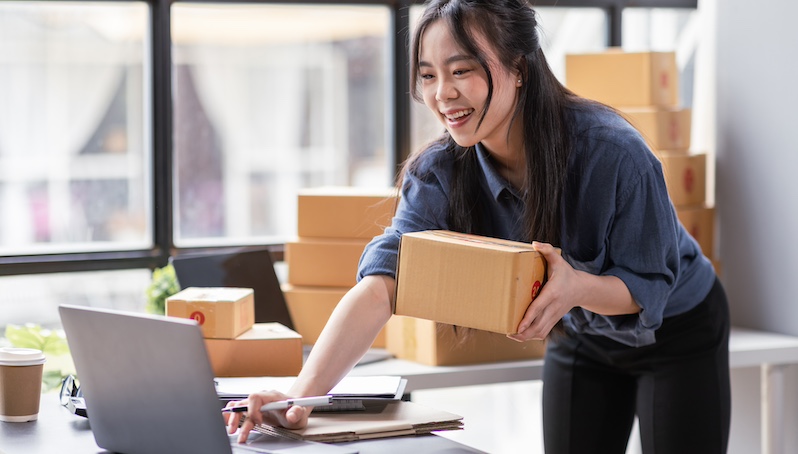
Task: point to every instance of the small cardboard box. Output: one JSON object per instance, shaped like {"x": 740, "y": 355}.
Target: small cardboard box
{"x": 345, "y": 212}
{"x": 267, "y": 349}
{"x": 437, "y": 344}
{"x": 310, "y": 308}
{"x": 323, "y": 262}
{"x": 624, "y": 79}
{"x": 222, "y": 312}
{"x": 664, "y": 129}
{"x": 685, "y": 177}
{"x": 700, "y": 223}
{"x": 467, "y": 280}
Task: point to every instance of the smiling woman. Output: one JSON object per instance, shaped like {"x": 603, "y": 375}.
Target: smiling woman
{"x": 629, "y": 323}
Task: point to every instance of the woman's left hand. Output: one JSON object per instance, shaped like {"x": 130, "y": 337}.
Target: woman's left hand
{"x": 556, "y": 298}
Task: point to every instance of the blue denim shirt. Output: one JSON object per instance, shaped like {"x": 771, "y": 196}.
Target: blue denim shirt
{"x": 617, "y": 220}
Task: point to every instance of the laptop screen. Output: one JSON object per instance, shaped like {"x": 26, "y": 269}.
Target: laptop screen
{"x": 247, "y": 268}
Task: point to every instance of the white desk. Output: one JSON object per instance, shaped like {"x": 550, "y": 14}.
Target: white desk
{"x": 747, "y": 348}
{"x": 772, "y": 353}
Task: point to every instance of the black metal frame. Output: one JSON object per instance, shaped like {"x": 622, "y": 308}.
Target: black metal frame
{"x": 162, "y": 170}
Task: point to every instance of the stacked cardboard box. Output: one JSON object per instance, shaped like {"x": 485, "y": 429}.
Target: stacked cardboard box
{"x": 334, "y": 224}
{"x": 439, "y": 344}
{"x": 644, "y": 87}
{"x": 236, "y": 345}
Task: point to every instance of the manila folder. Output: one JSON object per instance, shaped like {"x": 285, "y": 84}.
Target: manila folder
{"x": 395, "y": 419}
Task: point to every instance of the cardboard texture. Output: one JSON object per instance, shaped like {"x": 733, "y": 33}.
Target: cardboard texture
{"x": 222, "y": 312}
{"x": 685, "y": 177}
{"x": 664, "y": 129}
{"x": 437, "y": 344}
{"x": 345, "y": 212}
{"x": 467, "y": 280}
{"x": 326, "y": 263}
{"x": 700, "y": 223}
{"x": 268, "y": 349}
{"x": 624, "y": 79}
{"x": 310, "y": 308}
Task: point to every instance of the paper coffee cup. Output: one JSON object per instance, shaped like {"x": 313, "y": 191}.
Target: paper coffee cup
{"x": 20, "y": 383}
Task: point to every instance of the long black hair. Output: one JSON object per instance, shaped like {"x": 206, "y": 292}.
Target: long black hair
{"x": 510, "y": 26}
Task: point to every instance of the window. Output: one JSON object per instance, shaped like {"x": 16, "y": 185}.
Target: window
{"x": 270, "y": 99}
{"x": 74, "y": 151}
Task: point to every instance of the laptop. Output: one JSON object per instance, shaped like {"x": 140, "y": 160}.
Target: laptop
{"x": 149, "y": 387}
{"x": 246, "y": 268}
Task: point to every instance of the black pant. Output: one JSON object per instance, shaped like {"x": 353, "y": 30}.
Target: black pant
{"x": 678, "y": 387}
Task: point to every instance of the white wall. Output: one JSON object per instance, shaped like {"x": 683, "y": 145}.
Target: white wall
{"x": 757, "y": 187}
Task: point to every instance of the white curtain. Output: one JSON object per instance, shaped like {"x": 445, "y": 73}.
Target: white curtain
{"x": 253, "y": 103}
{"x": 55, "y": 87}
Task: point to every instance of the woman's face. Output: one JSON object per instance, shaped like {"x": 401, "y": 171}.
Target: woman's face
{"x": 455, "y": 87}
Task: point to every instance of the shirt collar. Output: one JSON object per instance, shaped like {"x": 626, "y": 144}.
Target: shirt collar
{"x": 496, "y": 183}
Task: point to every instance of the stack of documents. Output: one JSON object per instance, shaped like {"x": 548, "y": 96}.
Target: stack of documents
{"x": 352, "y": 393}
{"x": 397, "y": 419}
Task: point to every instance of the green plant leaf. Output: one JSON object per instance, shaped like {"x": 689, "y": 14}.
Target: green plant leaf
{"x": 28, "y": 336}
{"x": 163, "y": 285}
{"x": 51, "y": 343}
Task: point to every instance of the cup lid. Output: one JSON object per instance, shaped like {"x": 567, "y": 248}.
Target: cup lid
{"x": 14, "y": 356}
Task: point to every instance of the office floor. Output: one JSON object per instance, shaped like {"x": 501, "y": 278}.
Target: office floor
{"x": 501, "y": 418}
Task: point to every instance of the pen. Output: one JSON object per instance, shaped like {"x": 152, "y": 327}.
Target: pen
{"x": 315, "y": 401}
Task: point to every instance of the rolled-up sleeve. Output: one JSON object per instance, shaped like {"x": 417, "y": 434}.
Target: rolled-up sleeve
{"x": 639, "y": 245}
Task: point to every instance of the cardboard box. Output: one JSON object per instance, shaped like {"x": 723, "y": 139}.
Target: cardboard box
{"x": 310, "y": 308}
{"x": 664, "y": 129}
{"x": 467, "y": 280}
{"x": 268, "y": 349}
{"x": 345, "y": 212}
{"x": 685, "y": 176}
{"x": 325, "y": 263}
{"x": 222, "y": 312}
{"x": 625, "y": 79}
{"x": 437, "y": 344}
{"x": 700, "y": 223}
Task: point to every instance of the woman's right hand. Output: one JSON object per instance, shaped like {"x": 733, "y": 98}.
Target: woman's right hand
{"x": 295, "y": 417}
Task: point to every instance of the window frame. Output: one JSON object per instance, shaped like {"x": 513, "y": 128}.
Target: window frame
{"x": 162, "y": 144}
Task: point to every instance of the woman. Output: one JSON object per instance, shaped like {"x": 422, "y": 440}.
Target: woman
{"x": 644, "y": 319}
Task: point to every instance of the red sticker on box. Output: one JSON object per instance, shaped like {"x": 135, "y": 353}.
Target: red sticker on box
{"x": 674, "y": 130}
{"x": 198, "y": 316}
{"x": 689, "y": 179}
{"x": 663, "y": 80}
{"x": 535, "y": 289}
